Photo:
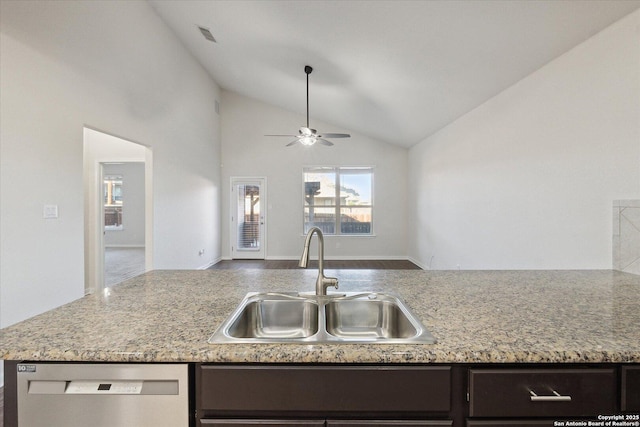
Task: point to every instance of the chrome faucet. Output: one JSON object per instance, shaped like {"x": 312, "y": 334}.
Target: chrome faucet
{"x": 322, "y": 283}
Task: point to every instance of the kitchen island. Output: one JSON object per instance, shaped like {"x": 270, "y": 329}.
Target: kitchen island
{"x": 476, "y": 317}
{"x": 481, "y": 319}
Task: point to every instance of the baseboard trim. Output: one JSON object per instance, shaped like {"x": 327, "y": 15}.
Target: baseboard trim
{"x": 418, "y": 263}
{"x": 124, "y": 246}
{"x": 210, "y": 264}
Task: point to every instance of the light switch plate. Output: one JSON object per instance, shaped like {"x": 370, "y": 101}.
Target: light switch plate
{"x": 50, "y": 211}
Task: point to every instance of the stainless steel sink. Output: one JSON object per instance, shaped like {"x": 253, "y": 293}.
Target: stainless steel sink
{"x": 275, "y": 318}
{"x": 376, "y": 319}
{"x": 335, "y": 318}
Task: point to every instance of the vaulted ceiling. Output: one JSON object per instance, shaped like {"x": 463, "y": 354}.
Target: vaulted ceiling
{"x": 396, "y": 71}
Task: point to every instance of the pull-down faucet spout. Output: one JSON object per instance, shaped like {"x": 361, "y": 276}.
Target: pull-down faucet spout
{"x": 322, "y": 283}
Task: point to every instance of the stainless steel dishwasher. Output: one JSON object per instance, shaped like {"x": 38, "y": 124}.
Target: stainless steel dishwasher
{"x": 101, "y": 395}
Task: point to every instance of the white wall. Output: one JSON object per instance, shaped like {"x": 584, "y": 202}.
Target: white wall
{"x": 112, "y": 66}
{"x": 247, "y": 152}
{"x": 527, "y": 180}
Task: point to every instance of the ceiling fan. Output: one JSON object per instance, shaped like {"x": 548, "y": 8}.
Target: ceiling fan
{"x": 308, "y": 136}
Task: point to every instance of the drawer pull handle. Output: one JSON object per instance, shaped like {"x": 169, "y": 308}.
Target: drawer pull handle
{"x": 556, "y": 397}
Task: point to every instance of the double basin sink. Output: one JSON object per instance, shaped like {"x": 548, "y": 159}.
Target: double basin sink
{"x": 367, "y": 317}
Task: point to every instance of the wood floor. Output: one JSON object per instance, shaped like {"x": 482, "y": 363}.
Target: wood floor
{"x": 238, "y": 264}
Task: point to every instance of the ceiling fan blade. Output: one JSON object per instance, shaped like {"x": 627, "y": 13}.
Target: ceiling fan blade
{"x": 291, "y": 136}
{"x": 325, "y": 142}
{"x": 291, "y": 143}
{"x": 335, "y": 135}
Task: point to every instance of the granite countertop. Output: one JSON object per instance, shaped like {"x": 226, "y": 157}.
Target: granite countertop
{"x": 476, "y": 316}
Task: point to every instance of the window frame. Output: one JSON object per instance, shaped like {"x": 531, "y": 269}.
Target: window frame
{"x": 115, "y": 205}
{"x": 337, "y": 207}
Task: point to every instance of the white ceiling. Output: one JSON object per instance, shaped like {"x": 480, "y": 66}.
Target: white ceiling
{"x": 396, "y": 71}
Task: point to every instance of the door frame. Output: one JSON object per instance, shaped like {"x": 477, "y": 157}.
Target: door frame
{"x": 94, "y": 207}
{"x": 262, "y": 182}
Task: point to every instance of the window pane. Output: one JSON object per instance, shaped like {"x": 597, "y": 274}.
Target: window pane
{"x": 113, "y": 202}
{"x": 355, "y": 220}
{"x": 321, "y": 217}
{"x": 355, "y": 189}
{"x": 248, "y": 216}
{"x": 319, "y": 188}
{"x": 338, "y": 200}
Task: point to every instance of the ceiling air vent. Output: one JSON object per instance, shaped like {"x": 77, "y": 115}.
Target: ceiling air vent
{"x": 207, "y": 34}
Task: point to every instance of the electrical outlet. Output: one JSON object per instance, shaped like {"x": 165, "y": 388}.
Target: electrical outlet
{"x": 201, "y": 252}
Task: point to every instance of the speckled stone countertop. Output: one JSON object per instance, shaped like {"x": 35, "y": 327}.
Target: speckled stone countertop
{"x": 476, "y": 316}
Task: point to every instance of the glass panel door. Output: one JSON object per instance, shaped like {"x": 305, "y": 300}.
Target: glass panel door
{"x": 247, "y": 218}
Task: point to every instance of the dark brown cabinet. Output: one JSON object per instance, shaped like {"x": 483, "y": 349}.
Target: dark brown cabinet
{"x": 630, "y": 384}
{"x": 381, "y": 396}
{"x": 541, "y": 392}
{"x": 241, "y": 389}
{"x": 510, "y": 423}
{"x": 541, "y": 395}
{"x": 387, "y": 423}
{"x": 253, "y": 423}
{"x": 327, "y": 423}
{"x": 412, "y": 395}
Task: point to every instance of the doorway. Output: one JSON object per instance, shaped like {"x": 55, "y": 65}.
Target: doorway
{"x": 248, "y": 217}
{"x": 123, "y": 213}
{"x": 118, "y": 210}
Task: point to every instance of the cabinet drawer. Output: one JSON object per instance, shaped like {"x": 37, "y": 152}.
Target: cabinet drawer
{"x": 322, "y": 389}
{"x": 511, "y": 423}
{"x": 631, "y": 388}
{"x": 388, "y": 423}
{"x": 541, "y": 392}
{"x": 253, "y": 423}
{"x": 329, "y": 423}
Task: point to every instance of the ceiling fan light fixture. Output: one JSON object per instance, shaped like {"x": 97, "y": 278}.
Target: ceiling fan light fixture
{"x": 308, "y": 140}
{"x": 307, "y": 132}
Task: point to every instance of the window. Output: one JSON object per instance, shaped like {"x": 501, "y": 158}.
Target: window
{"x": 113, "y": 202}
{"x": 339, "y": 200}
{"x": 248, "y": 206}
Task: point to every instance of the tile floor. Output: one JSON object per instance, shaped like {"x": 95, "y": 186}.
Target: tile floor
{"x": 122, "y": 264}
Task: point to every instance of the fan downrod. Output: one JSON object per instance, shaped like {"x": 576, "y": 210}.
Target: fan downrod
{"x": 308, "y": 70}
